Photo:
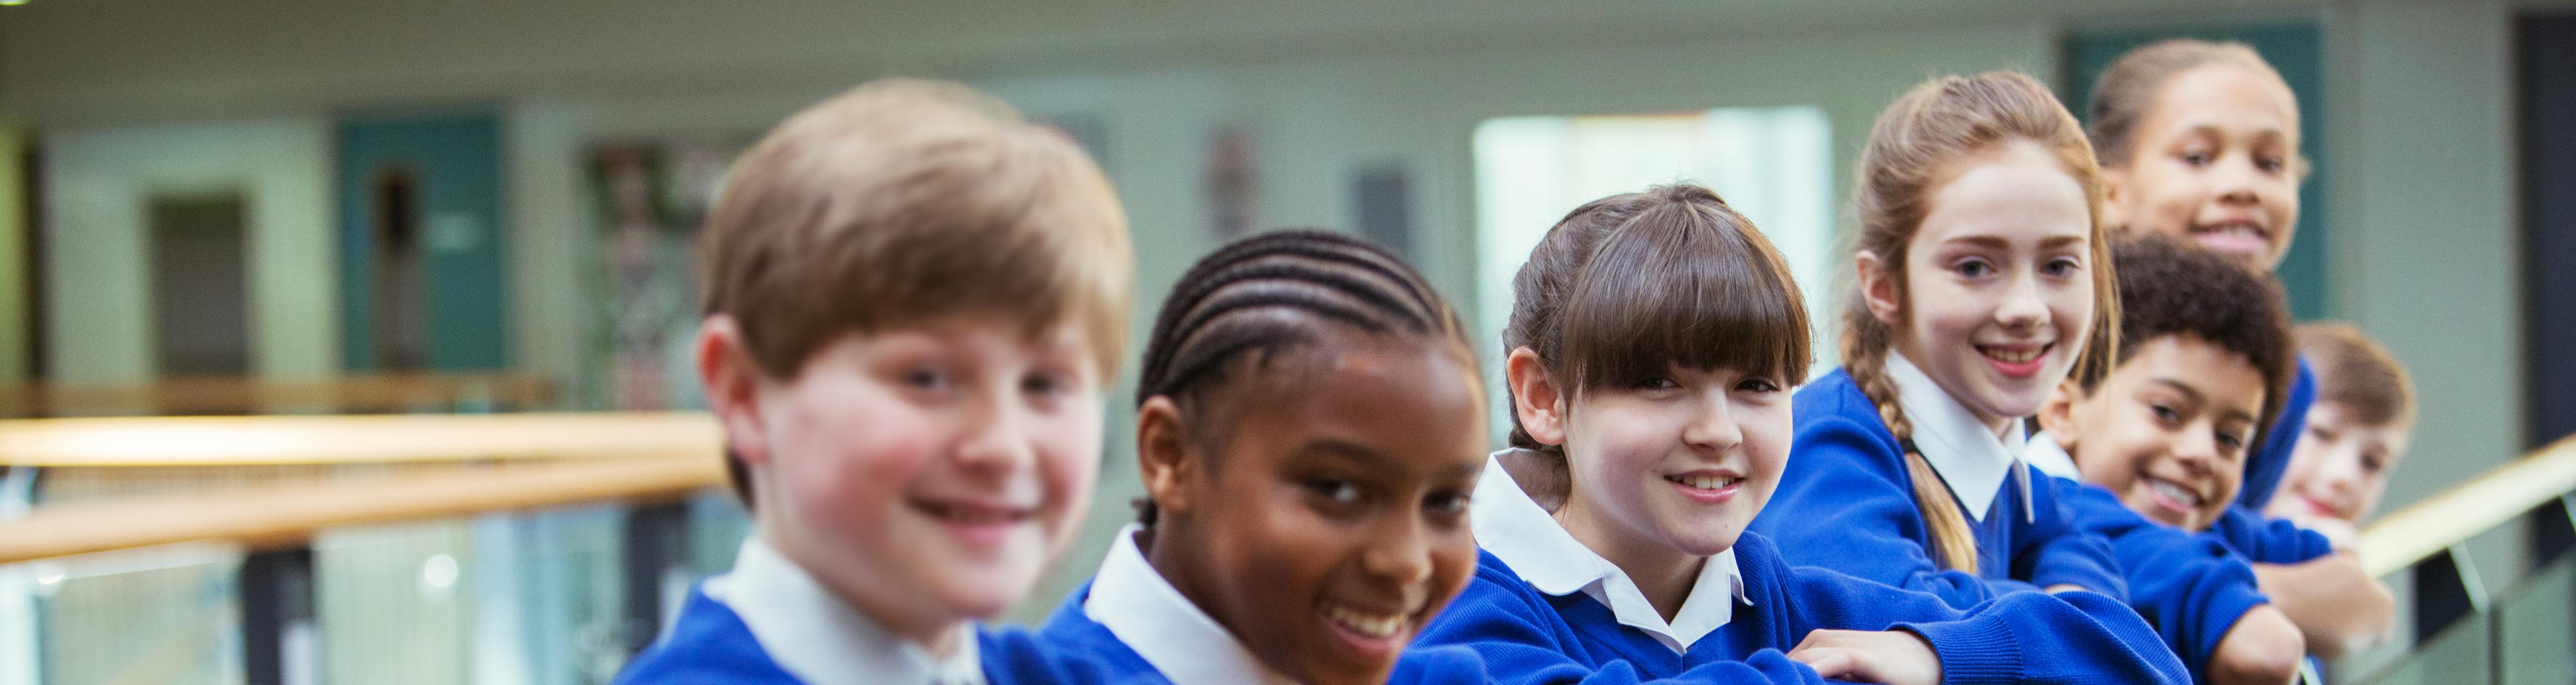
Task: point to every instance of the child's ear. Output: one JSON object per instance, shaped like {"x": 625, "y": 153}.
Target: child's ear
{"x": 1163, "y": 454}
{"x": 1880, "y": 288}
{"x": 2115, "y": 195}
{"x": 2057, "y": 416}
{"x": 733, "y": 382}
{"x": 1536, "y": 398}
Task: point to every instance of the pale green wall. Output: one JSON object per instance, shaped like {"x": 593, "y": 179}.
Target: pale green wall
{"x": 98, "y": 288}
{"x": 14, "y": 309}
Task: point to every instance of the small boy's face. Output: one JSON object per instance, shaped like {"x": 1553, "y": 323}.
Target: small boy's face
{"x": 1680, "y": 462}
{"x": 2339, "y": 467}
{"x": 1331, "y": 524}
{"x": 2168, "y": 430}
{"x": 928, "y": 473}
{"x": 2214, "y": 163}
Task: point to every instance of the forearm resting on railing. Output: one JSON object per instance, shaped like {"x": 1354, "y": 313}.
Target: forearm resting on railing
{"x": 2338, "y": 607}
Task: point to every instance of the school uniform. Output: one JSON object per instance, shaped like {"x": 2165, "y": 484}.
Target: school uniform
{"x": 2263, "y": 472}
{"x": 2194, "y": 587}
{"x": 770, "y": 622}
{"x": 1543, "y": 608}
{"x": 1846, "y": 500}
{"x": 2248, "y": 533}
{"x": 1135, "y": 627}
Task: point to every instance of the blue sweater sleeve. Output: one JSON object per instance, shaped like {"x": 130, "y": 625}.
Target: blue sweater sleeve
{"x": 2075, "y": 637}
{"x": 1013, "y": 655}
{"x": 1846, "y": 503}
{"x": 1505, "y": 623}
{"x": 2266, "y": 541}
{"x": 2055, "y": 551}
{"x": 2192, "y": 588}
{"x": 2263, "y": 472}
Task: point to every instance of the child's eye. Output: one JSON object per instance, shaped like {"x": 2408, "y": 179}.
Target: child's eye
{"x": 2196, "y": 158}
{"x": 2321, "y": 433}
{"x": 1043, "y": 384}
{"x": 2063, "y": 267}
{"x": 1657, "y": 383}
{"x": 2371, "y": 463}
{"x": 1761, "y": 385}
{"x": 2165, "y": 413}
{"x": 1974, "y": 268}
{"x": 1336, "y": 490}
{"x": 2231, "y": 442}
{"x": 1446, "y": 503}
{"x": 926, "y": 378}
{"x": 2271, "y": 165}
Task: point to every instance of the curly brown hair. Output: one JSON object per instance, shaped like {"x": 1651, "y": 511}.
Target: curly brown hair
{"x": 2168, "y": 287}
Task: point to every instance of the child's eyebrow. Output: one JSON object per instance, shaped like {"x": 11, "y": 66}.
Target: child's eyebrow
{"x": 2188, "y": 392}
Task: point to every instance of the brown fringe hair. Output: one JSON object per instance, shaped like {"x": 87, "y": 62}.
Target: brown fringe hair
{"x": 1912, "y": 151}
{"x": 1630, "y": 285}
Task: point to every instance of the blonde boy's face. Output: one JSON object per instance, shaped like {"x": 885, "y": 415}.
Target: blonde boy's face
{"x": 929, "y": 474}
{"x": 2214, "y": 162}
{"x": 2339, "y": 466}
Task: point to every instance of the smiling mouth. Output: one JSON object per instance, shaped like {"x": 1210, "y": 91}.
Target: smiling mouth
{"x": 2175, "y": 491}
{"x": 1705, "y": 482}
{"x": 1365, "y": 623}
{"x": 968, "y": 514}
{"x": 2236, "y": 235}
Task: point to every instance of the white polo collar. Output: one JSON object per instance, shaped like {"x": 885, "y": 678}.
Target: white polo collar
{"x": 2050, "y": 458}
{"x": 1968, "y": 455}
{"x": 1516, "y": 530}
{"x": 819, "y": 638}
{"x": 1136, "y": 604}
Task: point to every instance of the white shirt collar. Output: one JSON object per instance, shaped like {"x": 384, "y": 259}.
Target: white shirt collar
{"x": 2050, "y": 458}
{"x": 1968, "y": 455}
{"x": 1516, "y": 530}
{"x": 819, "y": 638}
{"x": 1136, "y": 604}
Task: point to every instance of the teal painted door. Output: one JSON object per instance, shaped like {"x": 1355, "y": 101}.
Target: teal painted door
{"x": 421, "y": 242}
{"x": 2293, "y": 50}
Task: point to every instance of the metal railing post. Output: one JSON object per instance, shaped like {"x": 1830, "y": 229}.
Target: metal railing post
{"x": 2447, "y": 589}
{"x": 279, "y": 642}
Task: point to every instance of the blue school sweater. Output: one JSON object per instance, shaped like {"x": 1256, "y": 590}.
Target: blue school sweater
{"x": 710, "y": 644}
{"x": 1527, "y": 636}
{"x": 2263, "y": 472}
{"x": 1846, "y": 502}
{"x": 2193, "y": 588}
{"x": 1071, "y": 642}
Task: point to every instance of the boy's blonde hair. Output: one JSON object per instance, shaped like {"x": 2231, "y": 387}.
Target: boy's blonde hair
{"x": 2355, "y": 371}
{"x": 907, "y": 200}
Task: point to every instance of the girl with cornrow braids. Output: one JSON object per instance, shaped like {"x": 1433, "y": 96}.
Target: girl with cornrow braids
{"x": 1653, "y": 343}
{"x": 1984, "y": 279}
{"x": 1309, "y": 427}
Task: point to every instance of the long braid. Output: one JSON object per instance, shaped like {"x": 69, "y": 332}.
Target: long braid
{"x": 1866, "y": 341}
{"x": 1267, "y": 294}
{"x": 1910, "y": 150}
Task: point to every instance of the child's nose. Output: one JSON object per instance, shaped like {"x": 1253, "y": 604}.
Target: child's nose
{"x": 990, "y": 439}
{"x": 1399, "y": 552}
{"x": 2023, "y": 304}
{"x": 1713, "y": 427}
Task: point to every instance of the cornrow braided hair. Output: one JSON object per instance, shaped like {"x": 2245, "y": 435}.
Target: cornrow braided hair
{"x": 1271, "y": 293}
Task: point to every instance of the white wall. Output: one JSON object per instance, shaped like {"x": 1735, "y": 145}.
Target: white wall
{"x": 99, "y": 184}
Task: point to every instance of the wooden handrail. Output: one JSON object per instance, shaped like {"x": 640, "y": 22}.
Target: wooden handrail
{"x": 358, "y": 393}
{"x": 2417, "y": 532}
{"x": 282, "y": 516}
{"x": 269, "y": 440}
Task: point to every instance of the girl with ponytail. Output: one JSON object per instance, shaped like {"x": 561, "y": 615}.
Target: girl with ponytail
{"x": 1984, "y": 280}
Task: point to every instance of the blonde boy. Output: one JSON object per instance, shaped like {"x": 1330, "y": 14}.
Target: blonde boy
{"x": 914, "y": 300}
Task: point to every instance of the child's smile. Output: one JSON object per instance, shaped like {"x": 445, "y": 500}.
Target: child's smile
{"x": 1324, "y": 521}
{"x": 1996, "y": 282}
